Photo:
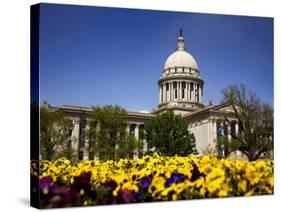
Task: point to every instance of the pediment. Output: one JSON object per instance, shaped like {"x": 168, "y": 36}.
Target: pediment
{"x": 224, "y": 108}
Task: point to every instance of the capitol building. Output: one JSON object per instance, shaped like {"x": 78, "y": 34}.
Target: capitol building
{"x": 180, "y": 91}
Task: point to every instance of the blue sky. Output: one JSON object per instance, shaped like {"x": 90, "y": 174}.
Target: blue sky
{"x": 97, "y": 56}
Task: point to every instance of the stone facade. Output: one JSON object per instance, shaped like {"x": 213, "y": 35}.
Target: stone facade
{"x": 180, "y": 91}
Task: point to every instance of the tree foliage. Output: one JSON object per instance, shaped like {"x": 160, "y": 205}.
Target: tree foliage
{"x": 129, "y": 147}
{"x": 54, "y": 134}
{"x": 169, "y": 135}
{"x": 255, "y": 118}
{"x": 107, "y": 136}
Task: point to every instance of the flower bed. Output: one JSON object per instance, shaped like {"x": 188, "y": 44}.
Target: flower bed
{"x": 152, "y": 178}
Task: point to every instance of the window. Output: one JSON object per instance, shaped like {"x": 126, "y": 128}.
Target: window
{"x": 167, "y": 87}
{"x": 70, "y": 133}
{"x": 80, "y": 155}
{"x": 183, "y": 89}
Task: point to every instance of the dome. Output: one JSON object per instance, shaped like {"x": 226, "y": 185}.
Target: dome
{"x": 180, "y": 84}
{"x": 180, "y": 58}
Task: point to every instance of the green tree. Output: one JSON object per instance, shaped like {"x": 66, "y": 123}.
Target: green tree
{"x": 128, "y": 148}
{"x": 255, "y": 137}
{"x": 169, "y": 135}
{"x": 54, "y": 134}
{"x": 108, "y": 131}
{"x": 223, "y": 146}
{"x": 90, "y": 134}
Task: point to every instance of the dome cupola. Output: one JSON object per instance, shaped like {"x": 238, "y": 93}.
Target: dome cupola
{"x": 180, "y": 84}
{"x": 180, "y": 60}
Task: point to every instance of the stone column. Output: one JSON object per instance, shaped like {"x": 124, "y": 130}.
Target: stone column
{"x": 172, "y": 91}
{"x": 180, "y": 93}
{"x": 164, "y": 92}
{"x": 159, "y": 94}
{"x": 75, "y": 135}
{"x": 199, "y": 93}
{"x": 179, "y": 90}
{"x": 128, "y": 128}
{"x": 238, "y": 153}
{"x": 199, "y": 90}
{"x": 137, "y": 137}
{"x": 209, "y": 131}
{"x": 86, "y": 141}
{"x": 236, "y": 128}
{"x": 196, "y": 93}
{"x": 184, "y": 91}
{"x": 214, "y": 131}
{"x": 229, "y": 131}
{"x": 137, "y": 131}
{"x": 170, "y": 88}
{"x": 169, "y": 92}
{"x": 189, "y": 92}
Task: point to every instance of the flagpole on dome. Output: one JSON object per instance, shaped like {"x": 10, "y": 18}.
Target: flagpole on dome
{"x": 181, "y": 41}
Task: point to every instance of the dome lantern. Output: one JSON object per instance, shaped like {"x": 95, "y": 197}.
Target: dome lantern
{"x": 180, "y": 57}
{"x": 180, "y": 41}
